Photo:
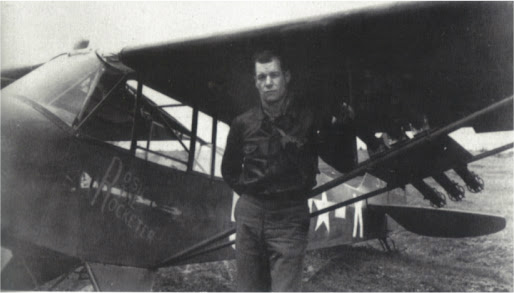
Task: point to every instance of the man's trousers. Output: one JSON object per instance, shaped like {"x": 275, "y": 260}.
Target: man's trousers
{"x": 272, "y": 236}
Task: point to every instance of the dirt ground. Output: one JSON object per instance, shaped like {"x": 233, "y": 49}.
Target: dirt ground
{"x": 417, "y": 264}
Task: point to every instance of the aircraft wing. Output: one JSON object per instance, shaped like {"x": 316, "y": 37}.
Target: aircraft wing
{"x": 397, "y": 64}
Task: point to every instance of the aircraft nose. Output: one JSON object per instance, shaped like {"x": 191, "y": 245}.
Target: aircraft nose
{"x": 30, "y": 140}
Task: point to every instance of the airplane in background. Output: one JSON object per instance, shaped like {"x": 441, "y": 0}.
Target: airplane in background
{"x": 98, "y": 171}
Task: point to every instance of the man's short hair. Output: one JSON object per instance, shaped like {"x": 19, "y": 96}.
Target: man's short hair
{"x": 267, "y": 56}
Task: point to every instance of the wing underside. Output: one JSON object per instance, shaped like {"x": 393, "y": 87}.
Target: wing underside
{"x": 396, "y": 65}
{"x": 442, "y": 223}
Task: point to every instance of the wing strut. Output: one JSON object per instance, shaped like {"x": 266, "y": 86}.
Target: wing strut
{"x": 492, "y": 152}
{"x": 187, "y": 252}
{"x": 213, "y": 139}
{"x": 137, "y": 105}
{"x": 192, "y": 145}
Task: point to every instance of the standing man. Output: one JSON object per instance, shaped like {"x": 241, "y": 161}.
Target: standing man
{"x": 271, "y": 161}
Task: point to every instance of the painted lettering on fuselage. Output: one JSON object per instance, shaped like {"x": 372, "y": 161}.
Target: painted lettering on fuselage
{"x": 117, "y": 193}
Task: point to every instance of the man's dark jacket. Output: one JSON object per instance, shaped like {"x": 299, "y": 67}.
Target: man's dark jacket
{"x": 264, "y": 157}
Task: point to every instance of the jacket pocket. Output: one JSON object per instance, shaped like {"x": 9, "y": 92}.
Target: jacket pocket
{"x": 254, "y": 166}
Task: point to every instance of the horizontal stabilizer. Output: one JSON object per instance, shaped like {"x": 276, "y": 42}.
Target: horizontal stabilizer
{"x": 442, "y": 222}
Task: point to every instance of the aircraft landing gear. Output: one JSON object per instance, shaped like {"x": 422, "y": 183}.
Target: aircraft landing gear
{"x": 387, "y": 243}
{"x": 92, "y": 277}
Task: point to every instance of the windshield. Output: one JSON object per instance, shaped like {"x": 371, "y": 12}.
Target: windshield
{"x": 62, "y": 85}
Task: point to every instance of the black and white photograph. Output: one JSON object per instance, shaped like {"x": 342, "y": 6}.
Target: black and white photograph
{"x": 257, "y": 146}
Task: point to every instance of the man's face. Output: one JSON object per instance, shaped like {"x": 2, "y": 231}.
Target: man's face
{"x": 271, "y": 81}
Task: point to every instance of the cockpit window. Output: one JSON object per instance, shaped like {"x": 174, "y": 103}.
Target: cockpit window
{"x": 172, "y": 148}
{"x": 62, "y": 85}
{"x": 108, "y": 116}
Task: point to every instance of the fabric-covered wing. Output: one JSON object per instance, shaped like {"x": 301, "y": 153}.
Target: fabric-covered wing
{"x": 397, "y": 65}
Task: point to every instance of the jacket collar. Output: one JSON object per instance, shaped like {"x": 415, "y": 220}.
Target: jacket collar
{"x": 290, "y": 108}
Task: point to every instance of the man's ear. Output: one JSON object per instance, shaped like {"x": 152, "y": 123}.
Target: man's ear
{"x": 287, "y": 76}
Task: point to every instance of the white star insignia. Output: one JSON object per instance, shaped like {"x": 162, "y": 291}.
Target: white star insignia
{"x": 324, "y": 218}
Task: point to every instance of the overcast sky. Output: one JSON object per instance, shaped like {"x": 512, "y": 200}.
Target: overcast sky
{"x": 35, "y": 31}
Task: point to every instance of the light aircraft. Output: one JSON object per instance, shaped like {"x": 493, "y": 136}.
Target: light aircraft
{"x": 96, "y": 172}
